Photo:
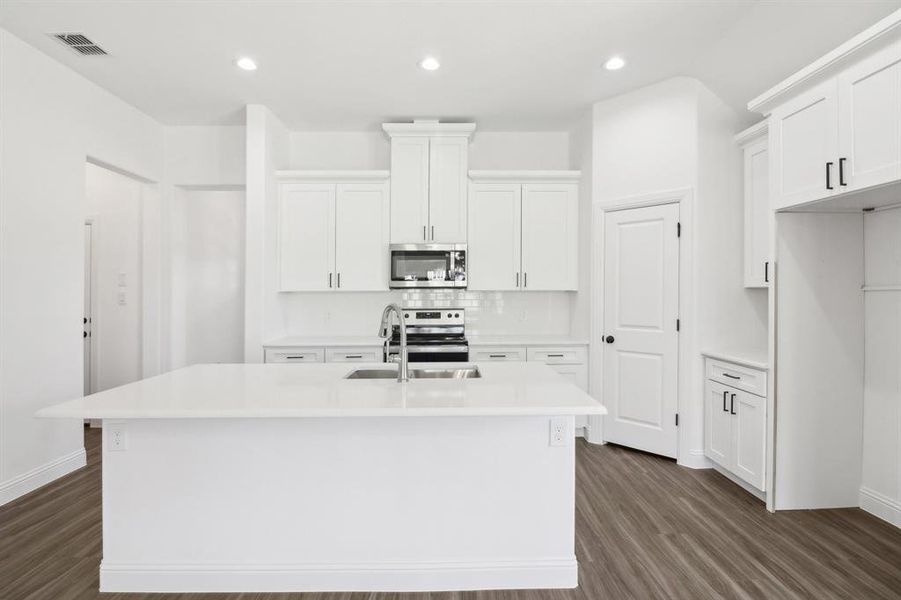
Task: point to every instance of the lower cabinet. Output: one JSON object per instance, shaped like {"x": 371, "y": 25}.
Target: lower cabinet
{"x": 735, "y": 429}
{"x": 332, "y": 354}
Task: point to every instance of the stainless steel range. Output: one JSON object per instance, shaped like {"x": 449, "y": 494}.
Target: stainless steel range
{"x": 433, "y": 335}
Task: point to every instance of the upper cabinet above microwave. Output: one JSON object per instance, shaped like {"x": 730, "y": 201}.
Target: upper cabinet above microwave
{"x": 835, "y": 126}
{"x": 429, "y": 162}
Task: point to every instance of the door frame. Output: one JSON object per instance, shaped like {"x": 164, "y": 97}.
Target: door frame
{"x": 689, "y": 395}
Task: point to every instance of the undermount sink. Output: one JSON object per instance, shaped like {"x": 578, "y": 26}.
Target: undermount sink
{"x": 461, "y": 373}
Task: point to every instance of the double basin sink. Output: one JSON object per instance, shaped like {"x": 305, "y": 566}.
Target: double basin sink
{"x": 461, "y": 373}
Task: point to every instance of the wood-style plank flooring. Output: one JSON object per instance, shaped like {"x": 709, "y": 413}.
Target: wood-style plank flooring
{"x": 645, "y": 528}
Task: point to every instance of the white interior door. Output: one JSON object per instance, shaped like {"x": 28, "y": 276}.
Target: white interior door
{"x": 641, "y": 294}
{"x": 361, "y": 237}
{"x": 88, "y": 299}
{"x": 494, "y": 237}
{"x": 307, "y": 237}
{"x": 447, "y": 189}
{"x": 869, "y": 99}
{"x": 550, "y": 221}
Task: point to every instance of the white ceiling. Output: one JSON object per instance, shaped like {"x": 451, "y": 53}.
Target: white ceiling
{"x": 520, "y": 65}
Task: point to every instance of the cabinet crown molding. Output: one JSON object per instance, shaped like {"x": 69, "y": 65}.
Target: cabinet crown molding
{"x": 336, "y": 176}
{"x": 825, "y": 65}
{"x": 429, "y": 129}
{"x": 752, "y": 133}
{"x": 524, "y": 176}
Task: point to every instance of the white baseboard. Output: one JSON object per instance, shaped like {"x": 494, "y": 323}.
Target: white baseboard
{"x": 694, "y": 459}
{"x": 42, "y": 475}
{"x": 880, "y": 505}
{"x": 374, "y": 577}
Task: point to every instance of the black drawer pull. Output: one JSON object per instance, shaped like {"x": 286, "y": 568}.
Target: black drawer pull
{"x": 731, "y": 376}
{"x": 732, "y": 407}
{"x": 497, "y": 356}
{"x": 295, "y": 356}
{"x": 555, "y": 356}
{"x": 724, "y": 401}
{"x": 353, "y": 356}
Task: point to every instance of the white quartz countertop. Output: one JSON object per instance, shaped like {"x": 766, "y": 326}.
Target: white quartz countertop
{"x": 739, "y": 358}
{"x": 320, "y": 390}
{"x": 474, "y": 340}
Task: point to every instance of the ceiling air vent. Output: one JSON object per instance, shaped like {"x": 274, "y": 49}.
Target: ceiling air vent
{"x": 80, "y": 43}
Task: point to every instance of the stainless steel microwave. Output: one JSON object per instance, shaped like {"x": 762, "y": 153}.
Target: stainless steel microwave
{"x": 428, "y": 266}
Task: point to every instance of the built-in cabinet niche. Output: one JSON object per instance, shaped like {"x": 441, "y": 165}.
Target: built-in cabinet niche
{"x": 523, "y": 230}
{"x": 429, "y": 163}
{"x": 333, "y": 231}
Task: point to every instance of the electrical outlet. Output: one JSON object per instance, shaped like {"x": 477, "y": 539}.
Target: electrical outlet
{"x": 558, "y": 432}
{"x": 117, "y": 437}
{"x": 123, "y": 299}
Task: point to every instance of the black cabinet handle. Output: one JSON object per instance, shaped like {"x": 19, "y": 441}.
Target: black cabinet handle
{"x": 339, "y": 279}
{"x": 555, "y": 356}
{"x": 766, "y": 272}
{"x": 724, "y": 401}
{"x": 829, "y": 176}
{"x": 731, "y": 376}
{"x": 353, "y": 356}
{"x": 609, "y": 339}
{"x": 497, "y": 356}
{"x": 330, "y": 280}
{"x": 732, "y": 406}
{"x": 841, "y": 171}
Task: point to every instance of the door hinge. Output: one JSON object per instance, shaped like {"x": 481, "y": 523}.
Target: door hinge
{"x": 677, "y": 419}
{"x": 678, "y": 324}
{"x": 678, "y": 229}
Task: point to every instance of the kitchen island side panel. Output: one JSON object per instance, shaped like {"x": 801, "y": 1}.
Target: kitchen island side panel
{"x": 381, "y": 503}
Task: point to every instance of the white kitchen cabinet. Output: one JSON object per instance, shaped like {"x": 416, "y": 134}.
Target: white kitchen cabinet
{"x": 869, "y": 118}
{"x": 523, "y": 230}
{"x": 495, "y": 236}
{"x": 804, "y": 147}
{"x": 294, "y": 355}
{"x": 429, "y": 162}
{"x": 355, "y": 354}
{"x": 735, "y": 420}
{"x": 333, "y": 235}
{"x": 550, "y": 221}
{"x": 306, "y": 236}
{"x": 497, "y": 353}
{"x": 840, "y": 135}
{"x": 757, "y": 213}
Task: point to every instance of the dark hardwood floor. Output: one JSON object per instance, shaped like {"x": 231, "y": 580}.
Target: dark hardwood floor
{"x": 645, "y": 528}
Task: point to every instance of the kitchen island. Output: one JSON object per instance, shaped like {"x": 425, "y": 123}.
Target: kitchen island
{"x": 295, "y": 478}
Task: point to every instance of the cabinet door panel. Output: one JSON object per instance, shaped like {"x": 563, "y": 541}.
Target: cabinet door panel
{"x": 749, "y": 438}
{"x": 409, "y": 189}
{"x": 447, "y": 189}
{"x": 757, "y": 214}
{"x": 870, "y": 120}
{"x": 361, "y": 237}
{"x": 718, "y": 424}
{"x": 494, "y": 237}
{"x": 550, "y": 236}
{"x": 803, "y": 139}
{"x": 306, "y": 236}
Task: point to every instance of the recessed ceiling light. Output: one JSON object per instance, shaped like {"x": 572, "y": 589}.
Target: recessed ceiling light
{"x": 614, "y": 63}
{"x": 430, "y": 63}
{"x": 247, "y": 63}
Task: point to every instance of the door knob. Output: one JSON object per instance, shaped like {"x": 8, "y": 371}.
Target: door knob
{"x": 609, "y": 339}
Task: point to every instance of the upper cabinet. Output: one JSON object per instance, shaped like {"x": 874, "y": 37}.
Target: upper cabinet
{"x": 333, "y": 231}
{"x": 429, "y": 162}
{"x": 523, "y": 230}
{"x": 835, "y": 126}
{"x": 757, "y": 214}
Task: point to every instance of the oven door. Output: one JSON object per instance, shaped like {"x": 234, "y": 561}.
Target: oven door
{"x": 417, "y": 353}
{"x": 428, "y": 265}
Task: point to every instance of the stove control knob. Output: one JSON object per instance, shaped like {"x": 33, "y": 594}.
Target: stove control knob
{"x": 406, "y": 316}
{"x": 448, "y": 315}
{"x": 457, "y": 315}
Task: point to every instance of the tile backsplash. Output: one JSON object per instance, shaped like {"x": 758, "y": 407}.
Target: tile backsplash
{"x": 357, "y": 313}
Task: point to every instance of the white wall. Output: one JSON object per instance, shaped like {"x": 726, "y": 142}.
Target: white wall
{"x": 677, "y": 136}
{"x": 207, "y": 277}
{"x": 581, "y": 157}
{"x": 113, "y": 204}
{"x": 52, "y": 119}
{"x": 339, "y": 150}
{"x": 520, "y": 150}
{"x": 881, "y": 475}
{"x": 205, "y": 156}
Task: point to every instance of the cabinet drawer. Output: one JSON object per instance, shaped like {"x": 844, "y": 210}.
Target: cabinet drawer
{"x": 574, "y": 355}
{"x": 497, "y": 353}
{"x": 294, "y": 355}
{"x": 364, "y": 354}
{"x": 743, "y": 378}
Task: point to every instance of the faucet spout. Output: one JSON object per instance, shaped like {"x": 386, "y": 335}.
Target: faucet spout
{"x": 385, "y": 331}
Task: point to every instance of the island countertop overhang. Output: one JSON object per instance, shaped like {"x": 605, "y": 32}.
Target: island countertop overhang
{"x": 322, "y": 390}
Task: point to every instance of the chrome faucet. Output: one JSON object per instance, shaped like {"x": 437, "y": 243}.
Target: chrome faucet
{"x": 385, "y": 332}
